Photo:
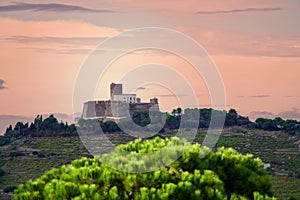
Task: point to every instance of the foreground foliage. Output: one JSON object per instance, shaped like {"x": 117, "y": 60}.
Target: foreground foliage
{"x": 225, "y": 174}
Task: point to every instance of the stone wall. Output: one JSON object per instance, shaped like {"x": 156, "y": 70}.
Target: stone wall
{"x": 102, "y": 109}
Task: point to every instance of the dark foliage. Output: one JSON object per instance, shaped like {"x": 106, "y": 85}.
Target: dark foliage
{"x": 4, "y": 140}
{"x": 158, "y": 121}
{"x": 2, "y": 172}
{"x": 49, "y": 127}
{"x": 9, "y": 189}
{"x": 289, "y": 126}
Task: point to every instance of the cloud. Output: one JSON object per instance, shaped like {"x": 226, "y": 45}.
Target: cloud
{"x": 235, "y": 43}
{"x": 52, "y": 7}
{"x": 57, "y": 37}
{"x": 238, "y": 10}
{"x": 67, "y": 50}
{"x": 2, "y": 87}
{"x": 170, "y": 95}
{"x": 292, "y": 96}
{"x": 256, "y": 96}
{"x": 59, "y": 45}
{"x": 262, "y": 113}
{"x": 141, "y": 88}
{"x": 60, "y": 40}
{"x": 260, "y": 96}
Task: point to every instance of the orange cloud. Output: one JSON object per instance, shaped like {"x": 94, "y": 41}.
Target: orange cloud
{"x": 52, "y": 36}
{"x": 241, "y": 43}
{"x": 195, "y": 5}
{"x": 53, "y": 28}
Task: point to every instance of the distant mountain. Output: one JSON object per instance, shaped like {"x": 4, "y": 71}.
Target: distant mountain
{"x": 293, "y": 113}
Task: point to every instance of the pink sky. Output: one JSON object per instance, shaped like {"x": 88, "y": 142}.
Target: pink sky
{"x": 254, "y": 44}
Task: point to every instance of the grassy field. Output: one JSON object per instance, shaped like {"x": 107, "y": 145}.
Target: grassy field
{"x": 29, "y": 158}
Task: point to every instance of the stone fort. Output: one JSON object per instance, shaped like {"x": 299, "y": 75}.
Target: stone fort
{"x": 118, "y": 107}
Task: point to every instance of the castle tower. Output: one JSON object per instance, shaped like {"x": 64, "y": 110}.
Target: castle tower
{"x": 115, "y": 89}
{"x": 154, "y": 100}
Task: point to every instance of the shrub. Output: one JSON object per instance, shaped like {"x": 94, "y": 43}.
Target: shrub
{"x": 4, "y": 140}
{"x": 2, "y": 172}
{"x": 198, "y": 173}
{"x": 16, "y": 154}
{"x": 9, "y": 189}
{"x": 41, "y": 155}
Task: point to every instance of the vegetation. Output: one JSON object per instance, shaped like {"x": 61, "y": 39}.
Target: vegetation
{"x": 201, "y": 118}
{"x": 49, "y": 127}
{"x": 25, "y": 155}
{"x": 173, "y": 120}
{"x": 276, "y": 148}
{"x": 289, "y": 126}
{"x": 225, "y": 174}
{"x": 279, "y": 149}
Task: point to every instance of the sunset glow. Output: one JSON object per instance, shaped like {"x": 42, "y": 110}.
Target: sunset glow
{"x": 254, "y": 44}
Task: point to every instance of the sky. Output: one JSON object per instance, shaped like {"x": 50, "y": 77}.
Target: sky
{"x": 255, "y": 46}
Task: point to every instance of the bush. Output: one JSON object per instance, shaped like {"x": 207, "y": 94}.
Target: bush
{"x": 41, "y": 155}
{"x": 2, "y": 172}
{"x": 4, "y": 140}
{"x": 16, "y": 154}
{"x": 197, "y": 174}
{"x": 293, "y": 198}
{"x": 9, "y": 189}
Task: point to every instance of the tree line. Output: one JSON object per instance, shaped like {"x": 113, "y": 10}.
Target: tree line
{"x": 153, "y": 120}
{"x": 191, "y": 118}
{"x": 48, "y": 127}
{"x": 290, "y": 126}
